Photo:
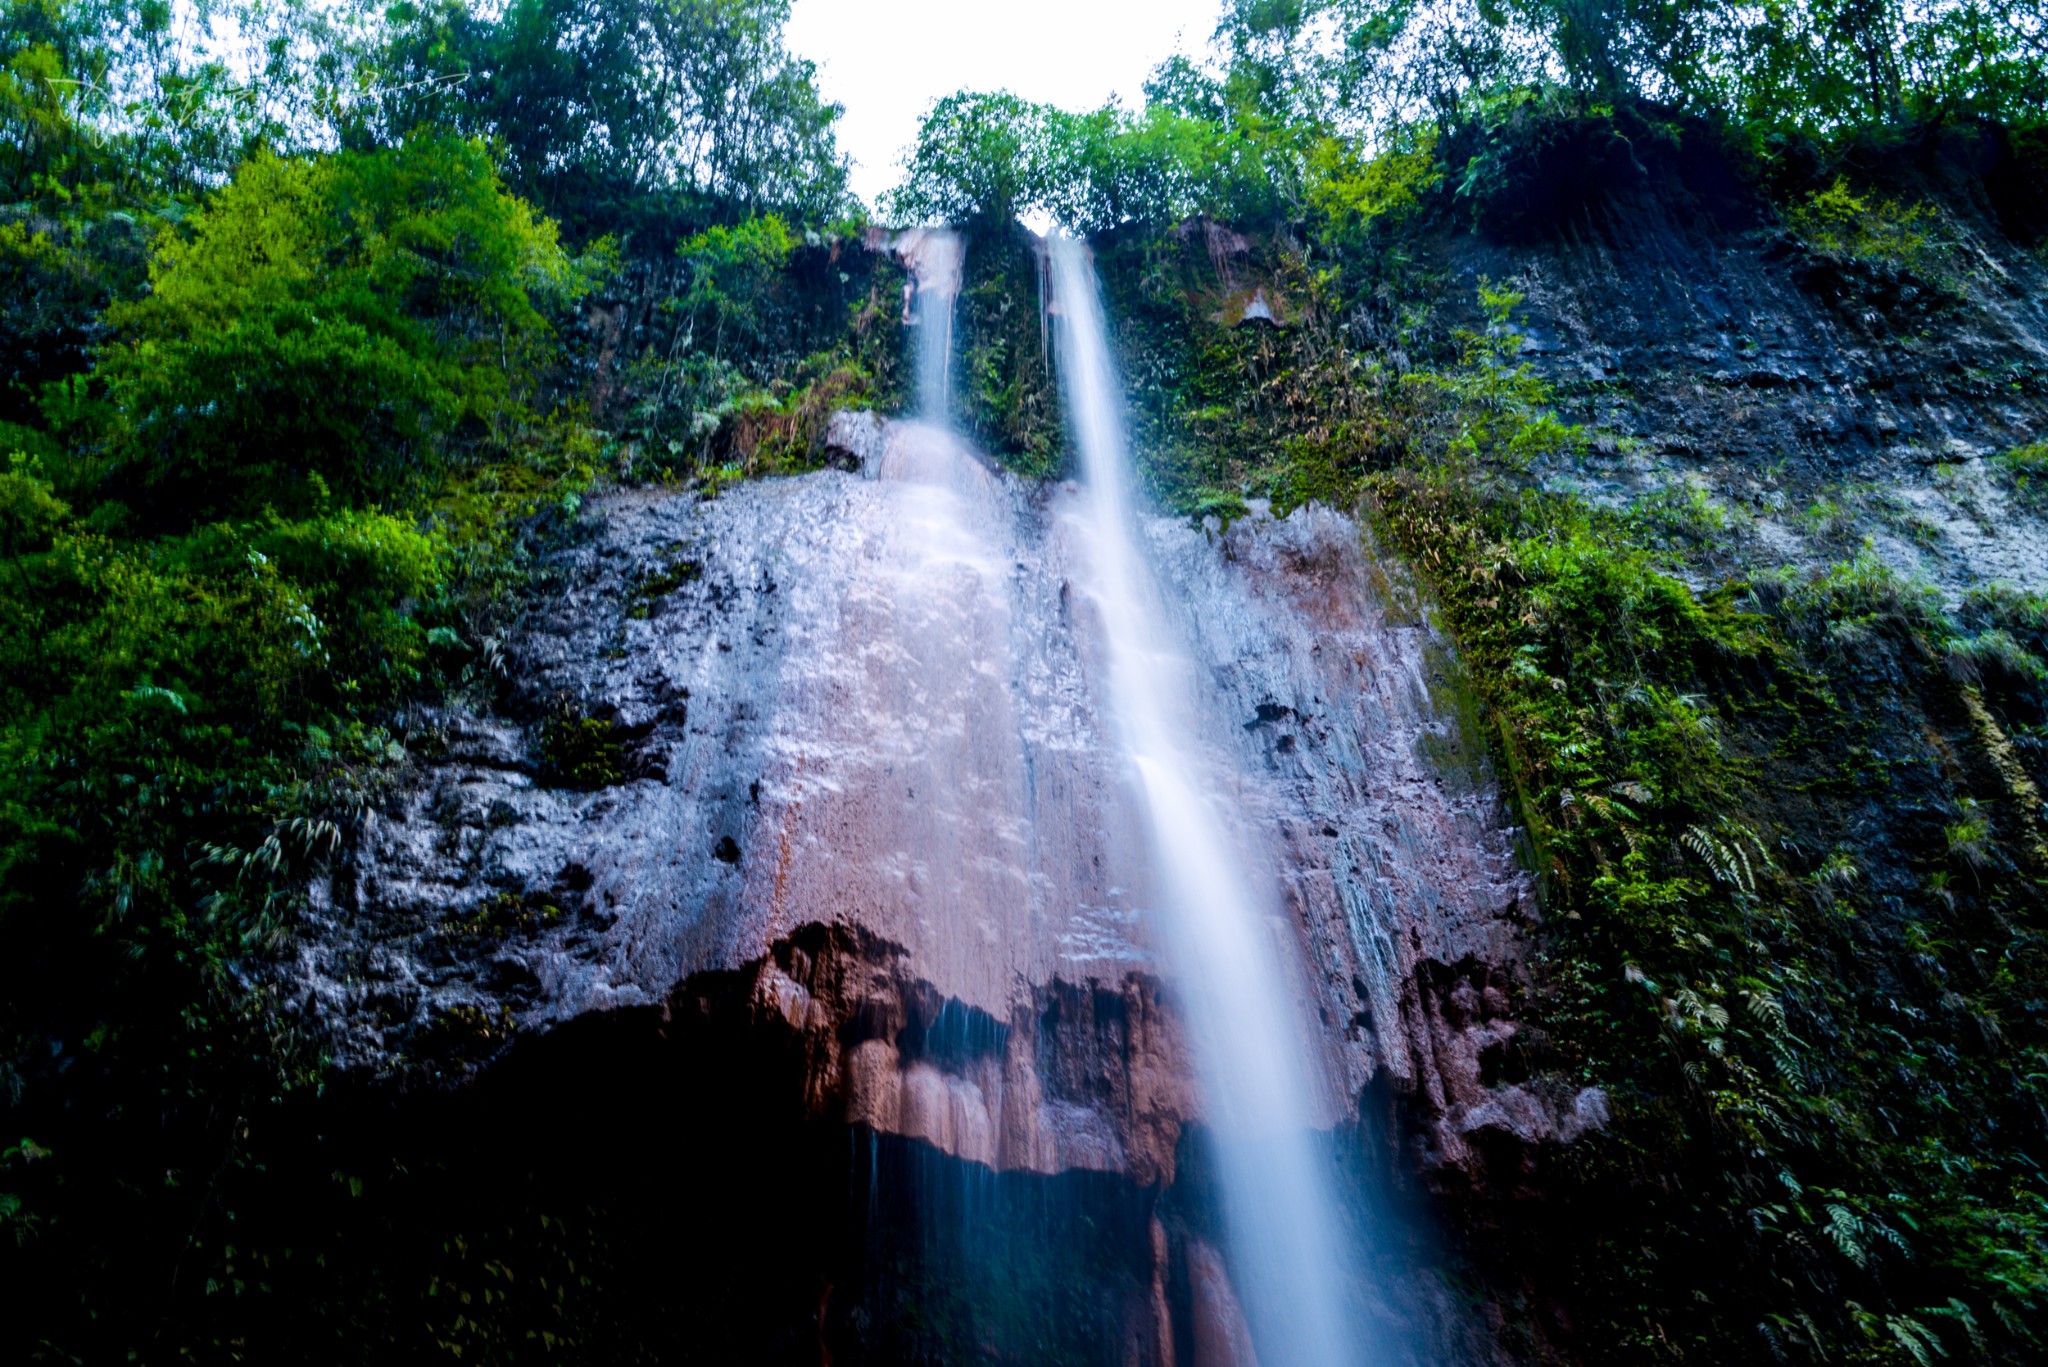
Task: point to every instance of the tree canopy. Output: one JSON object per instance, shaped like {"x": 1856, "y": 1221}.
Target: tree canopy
{"x": 623, "y": 97}
{"x": 1292, "y": 87}
{"x": 587, "y": 104}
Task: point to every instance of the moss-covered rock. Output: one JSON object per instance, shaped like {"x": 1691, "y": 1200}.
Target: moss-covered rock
{"x": 1004, "y": 386}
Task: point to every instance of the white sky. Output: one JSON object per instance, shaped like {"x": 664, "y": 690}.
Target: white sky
{"x": 887, "y": 60}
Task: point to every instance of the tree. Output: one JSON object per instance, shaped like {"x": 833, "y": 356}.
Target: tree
{"x": 995, "y": 156}
{"x": 977, "y": 156}
{"x": 327, "y": 326}
{"x": 596, "y": 100}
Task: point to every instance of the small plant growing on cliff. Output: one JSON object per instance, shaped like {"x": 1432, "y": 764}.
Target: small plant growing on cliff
{"x": 1837, "y": 874}
{"x": 12, "y": 1212}
{"x": 1829, "y": 520}
{"x": 651, "y": 590}
{"x": 1839, "y": 223}
{"x": 576, "y": 751}
{"x": 1681, "y": 514}
{"x": 503, "y": 916}
{"x": 1969, "y": 836}
{"x": 2027, "y": 468}
{"x": 1495, "y": 408}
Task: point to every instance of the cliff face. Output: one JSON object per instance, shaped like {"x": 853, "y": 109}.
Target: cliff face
{"x": 814, "y": 768}
{"x": 823, "y": 755}
{"x": 1817, "y": 396}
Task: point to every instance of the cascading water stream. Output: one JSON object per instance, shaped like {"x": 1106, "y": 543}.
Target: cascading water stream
{"x": 936, "y": 256}
{"x": 1284, "y": 1248}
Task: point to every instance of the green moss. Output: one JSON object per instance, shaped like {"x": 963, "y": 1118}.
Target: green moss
{"x": 649, "y": 592}
{"x": 1459, "y": 751}
{"x": 575, "y": 751}
{"x": 505, "y": 915}
{"x": 460, "y": 1034}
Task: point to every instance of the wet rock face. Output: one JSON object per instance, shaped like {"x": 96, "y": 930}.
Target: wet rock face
{"x": 830, "y": 747}
{"x": 1816, "y": 401}
{"x": 1388, "y": 834}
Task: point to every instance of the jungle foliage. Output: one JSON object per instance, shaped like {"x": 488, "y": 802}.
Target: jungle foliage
{"x": 596, "y": 106}
{"x": 298, "y": 371}
{"x": 297, "y": 374}
{"x": 1787, "y": 825}
{"x": 1830, "y": 1033}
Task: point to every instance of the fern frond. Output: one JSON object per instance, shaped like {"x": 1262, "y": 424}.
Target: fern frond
{"x": 1732, "y": 852}
{"x": 1960, "y": 1313}
{"x": 1889, "y": 1235}
{"x": 1923, "y": 1343}
{"x": 1846, "y": 1229}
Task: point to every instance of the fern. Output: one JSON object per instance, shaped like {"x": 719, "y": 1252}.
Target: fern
{"x": 1837, "y": 873}
{"x": 1959, "y": 1312}
{"x": 1923, "y": 1343}
{"x": 1689, "y": 1008}
{"x": 1891, "y": 1236}
{"x": 1767, "y": 1009}
{"x": 1845, "y": 1227}
{"x": 1731, "y": 851}
{"x": 1618, "y": 815}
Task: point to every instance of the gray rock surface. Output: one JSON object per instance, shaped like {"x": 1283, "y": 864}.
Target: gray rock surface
{"x": 1789, "y": 405}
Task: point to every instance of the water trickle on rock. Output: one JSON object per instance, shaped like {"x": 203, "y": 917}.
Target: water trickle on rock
{"x": 1219, "y": 908}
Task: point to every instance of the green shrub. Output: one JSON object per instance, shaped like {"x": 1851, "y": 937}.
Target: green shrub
{"x": 1350, "y": 193}
{"x": 1840, "y": 223}
{"x": 30, "y": 511}
{"x": 326, "y": 324}
{"x": 732, "y": 270}
{"x": 2027, "y": 468}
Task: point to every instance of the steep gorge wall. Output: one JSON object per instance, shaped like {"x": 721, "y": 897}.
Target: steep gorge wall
{"x": 1799, "y": 502}
{"x": 726, "y": 777}
{"x": 842, "y": 779}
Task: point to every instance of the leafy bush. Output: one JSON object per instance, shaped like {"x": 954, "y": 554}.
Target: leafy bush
{"x": 1838, "y": 222}
{"x": 1351, "y": 194}
{"x": 56, "y": 280}
{"x": 30, "y": 512}
{"x": 732, "y": 271}
{"x": 324, "y": 325}
{"x": 244, "y": 544}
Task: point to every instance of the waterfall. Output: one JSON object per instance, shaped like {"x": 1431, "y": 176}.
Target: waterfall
{"x": 935, "y": 256}
{"x": 1221, "y": 930}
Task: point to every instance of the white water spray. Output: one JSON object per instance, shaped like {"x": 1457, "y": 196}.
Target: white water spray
{"x": 1284, "y": 1249}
